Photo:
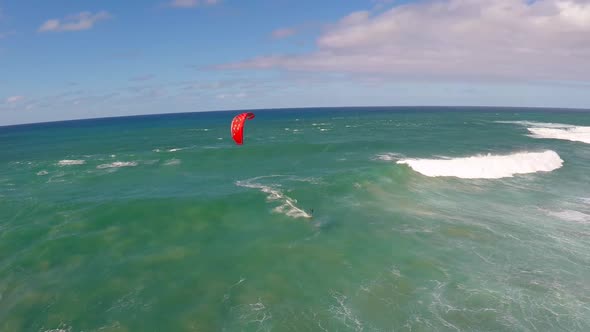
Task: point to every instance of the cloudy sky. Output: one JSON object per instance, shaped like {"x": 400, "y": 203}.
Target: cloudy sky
{"x": 70, "y": 59}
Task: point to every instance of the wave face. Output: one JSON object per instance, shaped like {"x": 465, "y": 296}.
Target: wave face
{"x": 288, "y": 205}
{"x": 487, "y": 166}
{"x": 555, "y": 131}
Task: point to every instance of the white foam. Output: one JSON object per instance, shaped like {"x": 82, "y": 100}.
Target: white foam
{"x": 560, "y": 131}
{"x": 390, "y": 156}
{"x": 175, "y": 149}
{"x": 538, "y": 124}
{"x": 42, "y": 173}
{"x": 172, "y": 162}
{"x": 288, "y": 205}
{"x": 487, "y": 166}
{"x": 576, "y": 134}
{"x": 118, "y": 164}
{"x": 67, "y": 162}
{"x": 570, "y": 215}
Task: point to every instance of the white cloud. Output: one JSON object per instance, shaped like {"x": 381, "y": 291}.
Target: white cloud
{"x": 14, "y": 99}
{"x": 76, "y": 22}
{"x": 232, "y": 95}
{"x": 283, "y": 33}
{"x": 192, "y": 3}
{"x": 480, "y": 39}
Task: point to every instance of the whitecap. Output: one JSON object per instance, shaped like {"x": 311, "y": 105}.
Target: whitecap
{"x": 172, "y": 162}
{"x": 487, "y": 166}
{"x": 560, "y": 131}
{"x": 570, "y": 215}
{"x": 576, "y": 134}
{"x": 537, "y": 124}
{"x": 42, "y": 173}
{"x": 118, "y": 164}
{"x": 175, "y": 149}
{"x": 67, "y": 162}
{"x": 390, "y": 156}
{"x": 288, "y": 206}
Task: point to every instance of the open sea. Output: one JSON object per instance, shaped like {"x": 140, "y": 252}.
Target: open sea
{"x": 354, "y": 219}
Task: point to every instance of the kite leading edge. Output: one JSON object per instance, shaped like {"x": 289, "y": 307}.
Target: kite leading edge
{"x": 237, "y": 126}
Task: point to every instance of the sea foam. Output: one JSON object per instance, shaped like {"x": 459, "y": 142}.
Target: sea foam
{"x": 555, "y": 130}
{"x": 576, "y": 134}
{"x": 288, "y": 205}
{"x": 118, "y": 164}
{"x": 172, "y": 162}
{"x": 389, "y": 156}
{"x": 571, "y": 215}
{"x": 487, "y": 166}
{"x": 68, "y": 162}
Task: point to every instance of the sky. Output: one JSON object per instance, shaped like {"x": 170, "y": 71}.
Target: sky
{"x": 71, "y": 59}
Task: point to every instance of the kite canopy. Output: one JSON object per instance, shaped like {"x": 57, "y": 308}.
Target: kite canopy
{"x": 237, "y": 126}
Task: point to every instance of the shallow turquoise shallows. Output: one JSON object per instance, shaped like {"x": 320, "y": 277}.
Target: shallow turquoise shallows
{"x": 359, "y": 219}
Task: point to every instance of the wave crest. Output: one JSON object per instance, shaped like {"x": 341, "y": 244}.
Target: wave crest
{"x": 555, "y": 130}
{"x": 390, "y": 156}
{"x": 68, "y": 162}
{"x": 487, "y": 166}
{"x": 576, "y": 134}
{"x": 288, "y": 205}
{"x": 118, "y": 164}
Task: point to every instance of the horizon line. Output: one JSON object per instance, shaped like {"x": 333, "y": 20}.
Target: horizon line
{"x": 538, "y": 108}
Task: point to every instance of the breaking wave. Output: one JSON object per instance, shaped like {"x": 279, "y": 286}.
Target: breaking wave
{"x": 576, "y": 134}
{"x": 571, "y": 215}
{"x": 555, "y": 131}
{"x": 68, "y": 162}
{"x": 118, "y": 164}
{"x": 172, "y": 162}
{"x": 389, "y": 156}
{"x": 487, "y": 166}
{"x": 288, "y": 205}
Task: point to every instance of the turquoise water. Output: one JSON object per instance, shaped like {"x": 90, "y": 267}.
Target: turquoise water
{"x": 162, "y": 223}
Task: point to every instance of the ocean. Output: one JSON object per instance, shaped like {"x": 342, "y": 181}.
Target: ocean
{"x": 353, "y": 219}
